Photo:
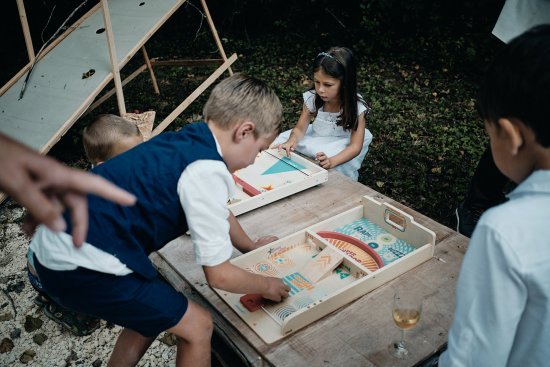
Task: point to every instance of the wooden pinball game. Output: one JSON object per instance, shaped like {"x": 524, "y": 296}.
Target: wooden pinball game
{"x": 273, "y": 176}
{"x": 330, "y": 264}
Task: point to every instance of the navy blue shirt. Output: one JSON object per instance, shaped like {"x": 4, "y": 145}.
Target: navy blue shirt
{"x": 150, "y": 171}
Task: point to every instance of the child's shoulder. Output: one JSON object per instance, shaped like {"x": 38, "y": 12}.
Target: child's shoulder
{"x": 526, "y": 212}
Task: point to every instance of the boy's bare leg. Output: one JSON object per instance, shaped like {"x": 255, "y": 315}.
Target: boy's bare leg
{"x": 194, "y": 332}
{"x": 129, "y": 348}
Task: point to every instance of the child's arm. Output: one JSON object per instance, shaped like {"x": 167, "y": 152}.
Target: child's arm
{"x": 297, "y": 133}
{"x": 233, "y": 279}
{"x": 350, "y": 152}
{"x": 240, "y": 239}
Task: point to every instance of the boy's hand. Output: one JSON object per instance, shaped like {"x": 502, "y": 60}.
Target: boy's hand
{"x": 276, "y": 290}
{"x": 323, "y": 160}
{"x": 264, "y": 241}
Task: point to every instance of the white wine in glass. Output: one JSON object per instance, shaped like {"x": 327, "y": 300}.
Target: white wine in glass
{"x": 406, "y": 310}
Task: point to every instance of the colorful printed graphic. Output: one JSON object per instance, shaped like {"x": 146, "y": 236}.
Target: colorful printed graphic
{"x": 287, "y": 262}
{"x": 389, "y": 247}
{"x": 283, "y": 164}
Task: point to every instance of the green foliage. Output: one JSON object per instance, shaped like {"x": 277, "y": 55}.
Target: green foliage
{"x": 419, "y": 67}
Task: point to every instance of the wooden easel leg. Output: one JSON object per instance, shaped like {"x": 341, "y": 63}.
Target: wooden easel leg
{"x": 215, "y": 33}
{"x": 148, "y": 62}
{"x": 113, "y": 56}
{"x": 26, "y": 31}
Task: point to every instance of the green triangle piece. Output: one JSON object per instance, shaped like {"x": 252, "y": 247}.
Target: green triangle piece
{"x": 284, "y": 164}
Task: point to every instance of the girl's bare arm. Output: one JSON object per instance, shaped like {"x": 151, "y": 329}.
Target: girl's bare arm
{"x": 297, "y": 132}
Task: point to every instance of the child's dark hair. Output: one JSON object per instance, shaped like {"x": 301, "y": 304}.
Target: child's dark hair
{"x": 517, "y": 83}
{"x": 339, "y": 63}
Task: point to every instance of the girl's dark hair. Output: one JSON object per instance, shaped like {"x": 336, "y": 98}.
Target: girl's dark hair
{"x": 517, "y": 83}
{"x": 339, "y": 63}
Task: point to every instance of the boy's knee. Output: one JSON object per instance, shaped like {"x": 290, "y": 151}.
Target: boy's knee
{"x": 205, "y": 324}
{"x": 196, "y": 326}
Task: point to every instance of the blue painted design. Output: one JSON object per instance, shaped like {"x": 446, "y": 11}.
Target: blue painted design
{"x": 389, "y": 247}
{"x": 284, "y": 164}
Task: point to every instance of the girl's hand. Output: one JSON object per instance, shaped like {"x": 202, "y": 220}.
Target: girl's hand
{"x": 276, "y": 289}
{"x": 323, "y": 160}
{"x": 287, "y": 146}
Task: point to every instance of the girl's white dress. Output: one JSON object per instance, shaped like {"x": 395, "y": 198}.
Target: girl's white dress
{"x": 323, "y": 135}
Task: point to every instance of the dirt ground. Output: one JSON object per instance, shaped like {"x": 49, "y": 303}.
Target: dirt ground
{"x": 27, "y": 336}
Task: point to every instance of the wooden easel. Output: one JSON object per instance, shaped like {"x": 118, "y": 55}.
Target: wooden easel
{"x": 71, "y": 72}
{"x": 109, "y": 20}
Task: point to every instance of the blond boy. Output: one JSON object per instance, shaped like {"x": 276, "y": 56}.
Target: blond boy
{"x": 108, "y": 136}
{"x": 104, "y": 138}
{"x": 182, "y": 181}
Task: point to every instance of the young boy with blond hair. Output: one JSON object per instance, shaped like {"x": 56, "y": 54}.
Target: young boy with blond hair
{"x": 108, "y": 136}
{"x": 502, "y": 315}
{"x": 182, "y": 181}
{"x": 105, "y": 137}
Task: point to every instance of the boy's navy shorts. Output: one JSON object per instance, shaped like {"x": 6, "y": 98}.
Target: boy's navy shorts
{"x": 146, "y": 306}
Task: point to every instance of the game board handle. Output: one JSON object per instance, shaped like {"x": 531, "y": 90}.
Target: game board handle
{"x": 395, "y": 219}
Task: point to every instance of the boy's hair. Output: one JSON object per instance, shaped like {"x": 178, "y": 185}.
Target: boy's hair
{"x": 517, "y": 83}
{"x": 102, "y": 135}
{"x": 240, "y": 98}
{"x": 339, "y": 63}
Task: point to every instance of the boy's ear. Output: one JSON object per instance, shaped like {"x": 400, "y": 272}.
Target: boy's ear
{"x": 513, "y": 134}
{"x": 243, "y": 129}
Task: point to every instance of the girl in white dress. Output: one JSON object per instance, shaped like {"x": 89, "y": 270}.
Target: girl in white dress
{"x": 337, "y": 138}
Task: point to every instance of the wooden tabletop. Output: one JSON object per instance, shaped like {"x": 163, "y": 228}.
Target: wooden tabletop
{"x": 357, "y": 334}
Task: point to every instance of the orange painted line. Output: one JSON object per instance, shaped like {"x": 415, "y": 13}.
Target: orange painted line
{"x": 354, "y": 241}
{"x": 247, "y": 188}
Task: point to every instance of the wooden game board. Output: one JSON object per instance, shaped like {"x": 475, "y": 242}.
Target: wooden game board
{"x": 273, "y": 176}
{"x": 400, "y": 242}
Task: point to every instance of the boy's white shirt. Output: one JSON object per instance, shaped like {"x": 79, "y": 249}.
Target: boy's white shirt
{"x": 517, "y": 16}
{"x": 203, "y": 188}
{"x": 502, "y": 315}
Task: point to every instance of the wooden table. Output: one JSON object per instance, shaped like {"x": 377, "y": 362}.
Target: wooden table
{"x": 357, "y": 334}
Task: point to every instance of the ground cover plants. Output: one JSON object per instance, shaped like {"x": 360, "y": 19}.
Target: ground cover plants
{"x": 419, "y": 67}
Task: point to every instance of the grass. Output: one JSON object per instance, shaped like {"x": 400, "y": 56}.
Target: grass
{"x": 421, "y": 85}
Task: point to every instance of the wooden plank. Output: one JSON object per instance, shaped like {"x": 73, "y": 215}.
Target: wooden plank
{"x": 113, "y": 57}
{"x": 357, "y": 334}
{"x": 196, "y": 93}
{"x": 108, "y": 94}
{"x": 183, "y": 62}
{"x": 150, "y": 68}
{"x": 26, "y": 31}
{"x": 48, "y": 48}
{"x": 59, "y": 73}
{"x": 247, "y": 189}
{"x": 322, "y": 265}
{"x": 215, "y": 33}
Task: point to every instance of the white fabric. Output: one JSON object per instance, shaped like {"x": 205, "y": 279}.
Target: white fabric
{"x": 56, "y": 251}
{"x": 502, "y": 315}
{"x": 324, "y": 135}
{"x": 204, "y": 188}
{"x": 517, "y": 16}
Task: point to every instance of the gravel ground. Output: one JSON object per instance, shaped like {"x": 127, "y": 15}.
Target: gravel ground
{"x": 28, "y": 337}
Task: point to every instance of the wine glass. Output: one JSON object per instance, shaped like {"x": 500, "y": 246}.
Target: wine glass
{"x": 406, "y": 309}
